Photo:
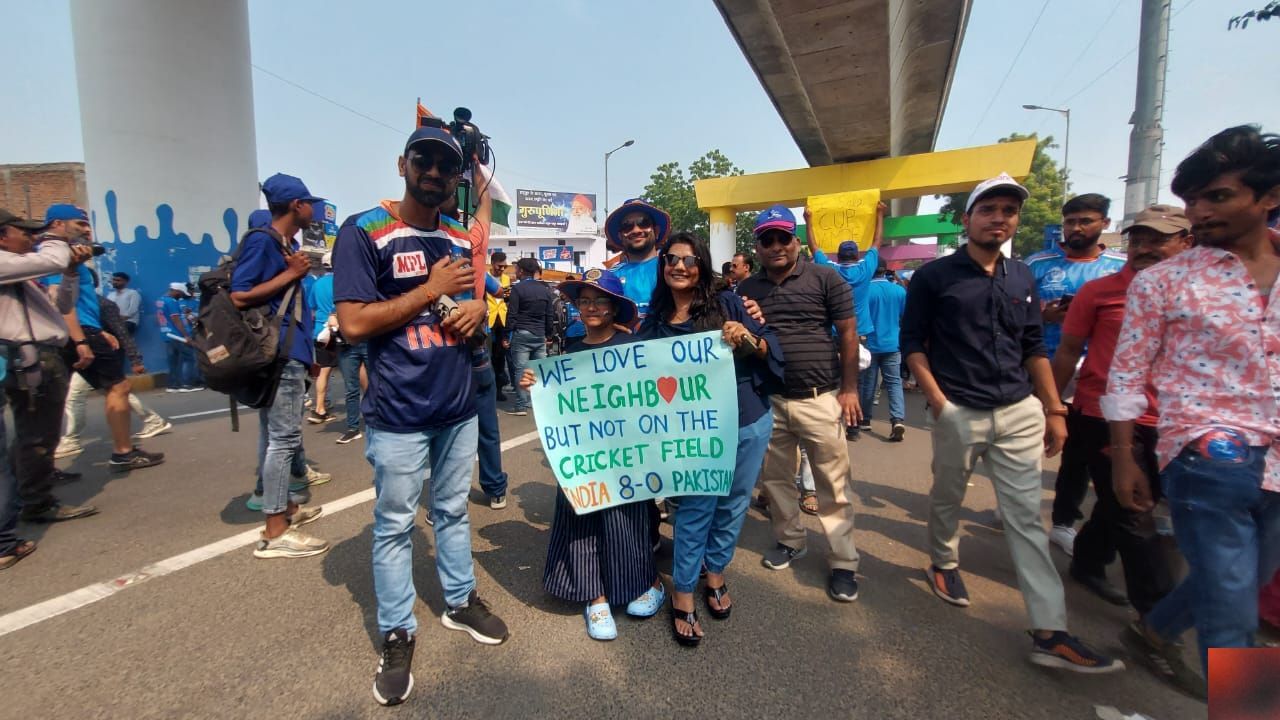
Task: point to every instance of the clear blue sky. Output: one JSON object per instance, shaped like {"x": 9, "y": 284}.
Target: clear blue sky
{"x": 559, "y": 82}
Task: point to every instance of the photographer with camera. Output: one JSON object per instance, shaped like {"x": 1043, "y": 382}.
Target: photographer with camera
{"x": 32, "y": 338}
{"x": 99, "y": 357}
{"x": 395, "y": 266}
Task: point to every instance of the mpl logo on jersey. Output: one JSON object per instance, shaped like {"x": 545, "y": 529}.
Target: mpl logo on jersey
{"x": 409, "y": 264}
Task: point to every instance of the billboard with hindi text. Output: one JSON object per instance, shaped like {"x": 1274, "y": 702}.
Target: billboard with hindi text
{"x": 572, "y": 213}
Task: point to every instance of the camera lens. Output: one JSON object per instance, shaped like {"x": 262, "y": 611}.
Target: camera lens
{"x": 98, "y": 250}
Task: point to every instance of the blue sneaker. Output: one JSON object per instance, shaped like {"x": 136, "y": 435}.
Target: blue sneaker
{"x": 648, "y": 604}
{"x": 600, "y": 625}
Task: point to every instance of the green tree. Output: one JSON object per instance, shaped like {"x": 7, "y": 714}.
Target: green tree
{"x": 1044, "y": 207}
{"x": 1266, "y": 12}
{"x": 671, "y": 189}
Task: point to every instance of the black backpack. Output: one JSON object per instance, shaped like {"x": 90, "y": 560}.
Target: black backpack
{"x": 239, "y": 351}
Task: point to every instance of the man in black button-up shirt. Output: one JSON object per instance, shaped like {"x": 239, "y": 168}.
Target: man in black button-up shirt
{"x": 973, "y": 339}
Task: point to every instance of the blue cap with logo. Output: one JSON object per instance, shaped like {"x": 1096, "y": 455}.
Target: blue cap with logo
{"x": 281, "y": 189}
{"x": 607, "y": 283}
{"x": 430, "y": 134}
{"x": 778, "y": 217}
{"x": 64, "y": 211}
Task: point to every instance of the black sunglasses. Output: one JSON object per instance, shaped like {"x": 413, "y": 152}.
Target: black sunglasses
{"x": 643, "y": 223}
{"x": 448, "y": 166}
{"x": 689, "y": 261}
{"x": 770, "y": 239}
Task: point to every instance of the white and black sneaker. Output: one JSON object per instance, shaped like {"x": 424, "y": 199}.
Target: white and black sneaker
{"x": 475, "y": 620}
{"x": 350, "y": 436}
{"x": 394, "y": 681}
{"x": 780, "y": 557}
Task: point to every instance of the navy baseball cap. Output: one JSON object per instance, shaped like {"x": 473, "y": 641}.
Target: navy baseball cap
{"x": 281, "y": 189}
{"x": 259, "y": 219}
{"x": 64, "y": 211}
{"x": 777, "y": 217}
{"x": 428, "y": 134}
{"x": 848, "y": 251}
{"x": 607, "y": 283}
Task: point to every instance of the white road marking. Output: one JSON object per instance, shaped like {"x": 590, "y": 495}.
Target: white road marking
{"x": 206, "y": 412}
{"x": 76, "y": 599}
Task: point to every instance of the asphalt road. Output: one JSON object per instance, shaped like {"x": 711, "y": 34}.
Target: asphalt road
{"x": 232, "y": 636}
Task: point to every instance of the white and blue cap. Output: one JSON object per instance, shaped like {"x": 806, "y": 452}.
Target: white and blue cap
{"x": 1003, "y": 181}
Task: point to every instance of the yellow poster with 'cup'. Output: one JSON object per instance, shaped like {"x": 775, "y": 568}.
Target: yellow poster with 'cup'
{"x": 838, "y": 217}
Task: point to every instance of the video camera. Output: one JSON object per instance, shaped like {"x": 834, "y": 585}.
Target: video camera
{"x": 474, "y": 143}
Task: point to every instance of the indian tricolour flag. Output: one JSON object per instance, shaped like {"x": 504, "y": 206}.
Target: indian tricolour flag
{"x": 484, "y": 179}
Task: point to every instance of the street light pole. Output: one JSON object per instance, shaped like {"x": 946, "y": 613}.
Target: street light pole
{"x": 628, "y": 143}
{"x": 1066, "y": 144}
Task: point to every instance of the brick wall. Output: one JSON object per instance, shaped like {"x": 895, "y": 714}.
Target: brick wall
{"x": 29, "y": 189}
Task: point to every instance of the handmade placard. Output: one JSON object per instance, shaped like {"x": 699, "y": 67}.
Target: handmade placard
{"x": 633, "y": 422}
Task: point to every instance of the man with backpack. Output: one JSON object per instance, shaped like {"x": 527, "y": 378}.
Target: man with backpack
{"x": 268, "y": 273}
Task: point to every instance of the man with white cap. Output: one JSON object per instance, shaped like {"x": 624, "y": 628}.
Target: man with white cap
{"x": 181, "y": 358}
{"x": 973, "y": 338}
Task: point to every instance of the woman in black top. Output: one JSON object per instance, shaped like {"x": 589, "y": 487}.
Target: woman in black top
{"x": 707, "y": 526}
{"x": 604, "y": 556}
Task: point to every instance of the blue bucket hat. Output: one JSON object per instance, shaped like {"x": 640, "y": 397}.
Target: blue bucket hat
{"x": 613, "y": 224}
{"x": 607, "y": 283}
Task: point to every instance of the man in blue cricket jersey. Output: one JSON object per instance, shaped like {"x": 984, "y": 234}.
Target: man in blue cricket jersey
{"x": 1060, "y": 273}
{"x": 104, "y": 365}
{"x": 886, "y": 301}
{"x": 857, "y": 270}
{"x": 640, "y": 229}
{"x": 393, "y": 264}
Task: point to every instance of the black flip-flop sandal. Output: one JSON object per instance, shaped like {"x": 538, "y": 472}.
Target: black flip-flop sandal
{"x": 690, "y": 618}
{"x": 708, "y": 593}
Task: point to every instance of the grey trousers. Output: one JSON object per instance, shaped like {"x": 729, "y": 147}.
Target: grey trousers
{"x": 1010, "y": 439}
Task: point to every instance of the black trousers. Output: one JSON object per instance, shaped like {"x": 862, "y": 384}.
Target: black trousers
{"x": 1148, "y": 558}
{"x": 37, "y": 426}
{"x": 1072, "y": 485}
{"x": 498, "y": 355}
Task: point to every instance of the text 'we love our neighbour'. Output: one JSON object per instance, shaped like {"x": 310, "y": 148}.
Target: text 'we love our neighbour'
{"x": 633, "y": 422}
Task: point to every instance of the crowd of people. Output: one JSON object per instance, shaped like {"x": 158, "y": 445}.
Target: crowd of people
{"x": 1153, "y": 371}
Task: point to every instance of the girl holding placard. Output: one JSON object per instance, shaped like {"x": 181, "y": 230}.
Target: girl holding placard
{"x": 603, "y": 556}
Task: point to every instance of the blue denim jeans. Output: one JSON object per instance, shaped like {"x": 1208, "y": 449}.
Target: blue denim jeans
{"x": 400, "y": 463}
{"x": 1228, "y": 528}
{"x": 525, "y": 346}
{"x": 707, "y": 526}
{"x": 350, "y": 358}
{"x": 280, "y": 438}
{"x": 9, "y": 504}
{"x": 890, "y": 366}
{"x": 179, "y": 368}
{"x": 489, "y": 447}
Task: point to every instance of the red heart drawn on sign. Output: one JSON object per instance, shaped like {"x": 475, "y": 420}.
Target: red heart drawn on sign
{"x": 667, "y": 388}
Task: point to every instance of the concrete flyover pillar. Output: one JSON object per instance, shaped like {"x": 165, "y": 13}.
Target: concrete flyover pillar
{"x": 166, "y": 111}
{"x": 724, "y": 235}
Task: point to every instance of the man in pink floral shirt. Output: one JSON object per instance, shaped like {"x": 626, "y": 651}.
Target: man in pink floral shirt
{"x": 1203, "y": 328}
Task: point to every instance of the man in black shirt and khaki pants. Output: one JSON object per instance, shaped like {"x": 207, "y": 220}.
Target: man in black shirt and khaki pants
{"x": 972, "y": 335}
{"x": 818, "y": 400}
